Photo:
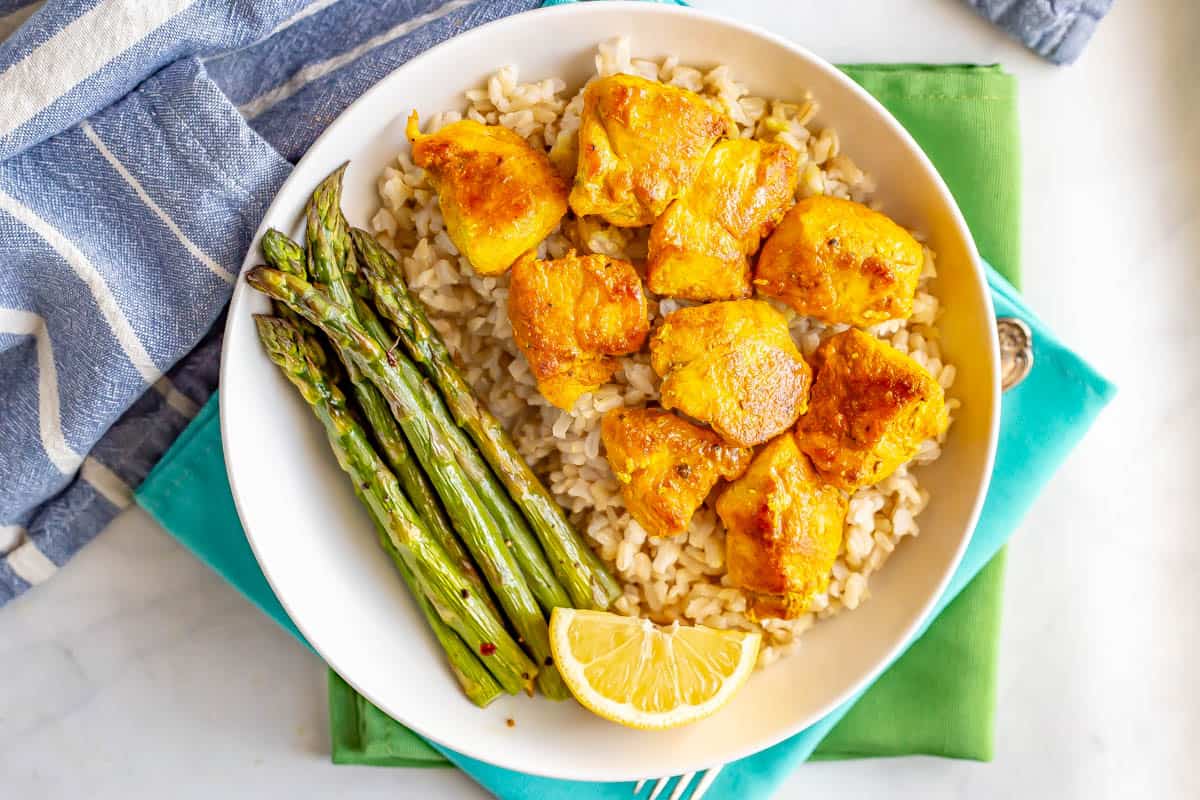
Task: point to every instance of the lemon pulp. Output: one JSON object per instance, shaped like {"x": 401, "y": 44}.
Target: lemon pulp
{"x": 635, "y": 673}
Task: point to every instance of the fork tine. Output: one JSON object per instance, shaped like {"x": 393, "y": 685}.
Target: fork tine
{"x": 638, "y": 788}
{"x": 682, "y": 786}
{"x": 706, "y": 780}
{"x": 658, "y": 787}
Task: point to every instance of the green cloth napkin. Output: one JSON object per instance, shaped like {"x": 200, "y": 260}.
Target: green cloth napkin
{"x": 940, "y": 697}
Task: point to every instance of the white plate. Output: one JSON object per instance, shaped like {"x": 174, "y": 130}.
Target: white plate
{"x": 318, "y": 550}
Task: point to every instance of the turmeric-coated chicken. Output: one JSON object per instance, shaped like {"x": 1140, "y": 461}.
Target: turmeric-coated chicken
{"x": 666, "y": 466}
{"x": 871, "y": 407}
{"x": 700, "y": 248}
{"x": 841, "y": 262}
{"x": 570, "y": 316}
{"x": 783, "y": 529}
{"x": 641, "y": 144}
{"x": 499, "y": 196}
{"x": 734, "y": 366}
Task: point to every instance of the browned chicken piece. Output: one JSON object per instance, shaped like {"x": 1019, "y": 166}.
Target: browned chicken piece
{"x": 641, "y": 144}
{"x": 499, "y": 196}
{"x": 570, "y": 316}
{"x": 871, "y": 408}
{"x": 734, "y": 366}
{"x": 783, "y": 529}
{"x": 841, "y": 262}
{"x": 700, "y": 248}
{"x": 666, "y": 465}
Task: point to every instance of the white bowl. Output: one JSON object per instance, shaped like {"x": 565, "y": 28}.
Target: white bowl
{"x": 318, "y": 550}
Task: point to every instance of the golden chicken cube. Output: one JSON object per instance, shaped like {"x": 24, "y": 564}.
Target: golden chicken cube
{"x": 570, "y": 316}
{"x": 666, "y": 466}
{"x": 700, "y": 248}
{"x": 641, "y": 144}
{"x": 734, "y": 366}
{"x": 871, "y": 407}
{"x": 783, "y": 530}
{"x": 841, "y": 262}
{"x": 499, "y": 196}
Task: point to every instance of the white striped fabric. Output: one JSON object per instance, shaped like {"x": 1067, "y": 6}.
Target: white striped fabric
{"x": 26, "y": 323}
{"x": 29, "y": 563}
{"x": 101, "y": 291}
{"x": 175, "y": 398}
{"x": 191, "y": 247}
{"x": 319, "y": 69}
{"x": 106, "y": 483}
{"x": 10, "y": 537}
{"x": 60, "y": 63}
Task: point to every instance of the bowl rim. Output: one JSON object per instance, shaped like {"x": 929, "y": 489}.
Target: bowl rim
{"x": 479, "y": 35}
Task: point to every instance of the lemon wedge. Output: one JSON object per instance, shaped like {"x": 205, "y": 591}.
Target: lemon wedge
{"x": 636, "y": 673}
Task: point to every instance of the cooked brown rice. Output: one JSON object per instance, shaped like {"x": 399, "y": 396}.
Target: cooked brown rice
{"x": 665, "y": 579}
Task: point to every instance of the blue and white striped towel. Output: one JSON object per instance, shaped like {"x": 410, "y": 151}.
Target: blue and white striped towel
{"x": 140, "y": 143}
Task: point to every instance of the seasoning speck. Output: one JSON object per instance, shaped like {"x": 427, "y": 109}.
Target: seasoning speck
{"x": 510, "y": 722}
{"x": 465, "y": 594}
{"x": 549, "y": 662}
{"x": 487, "y": 648}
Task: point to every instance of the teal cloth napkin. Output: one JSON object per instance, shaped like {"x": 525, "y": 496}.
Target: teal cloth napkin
{"x": 1041, "y": 421}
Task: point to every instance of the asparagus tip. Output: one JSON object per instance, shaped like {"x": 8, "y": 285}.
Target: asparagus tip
{"x": 254, "y": 277}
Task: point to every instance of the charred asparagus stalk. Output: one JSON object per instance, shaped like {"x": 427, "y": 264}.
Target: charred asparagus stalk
{"x": 335, "y": 266}
{"x": 538, "y": 573}
{"x": 329, "y": 250}
{"x": 458, "y": 603}
{"x": 477, "y": 683}
{"x": 400, "y": 383}
{"x": 400, "y": 458}
{"x": 480, "y": 687}
{"x": 585, "y": 577}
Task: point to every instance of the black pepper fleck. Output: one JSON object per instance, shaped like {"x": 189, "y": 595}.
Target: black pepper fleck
{"x": 549, "y": 662}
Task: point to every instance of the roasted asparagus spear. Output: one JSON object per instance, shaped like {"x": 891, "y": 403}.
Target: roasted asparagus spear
{"x": 537, "y": 571}
{"x": 579, "y": 570}
{"x": 458, "y": 603}
{"x": 400, "y": 383}
{"x": 288, "y": 256}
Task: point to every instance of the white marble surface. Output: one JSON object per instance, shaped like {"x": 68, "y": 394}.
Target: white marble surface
{"x": 136, "y": 672}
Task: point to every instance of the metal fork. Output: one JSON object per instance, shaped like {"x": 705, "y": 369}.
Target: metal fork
{"x": 706, "y": 779}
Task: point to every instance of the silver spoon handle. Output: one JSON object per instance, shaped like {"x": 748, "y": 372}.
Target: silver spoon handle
{"x": 1016, "y": 351}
